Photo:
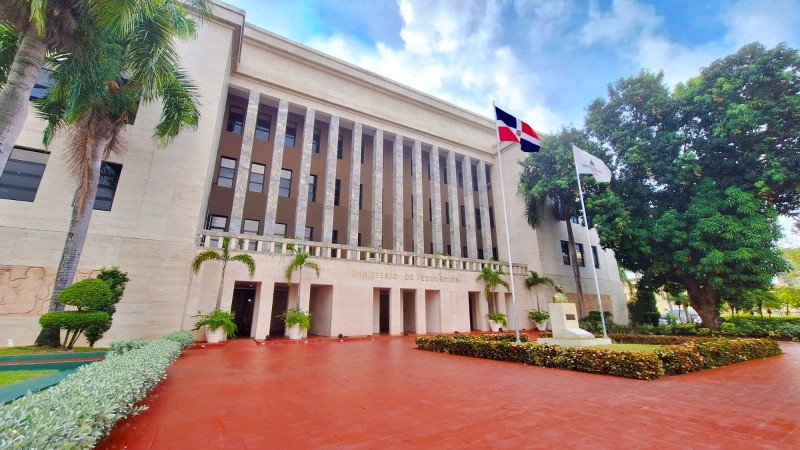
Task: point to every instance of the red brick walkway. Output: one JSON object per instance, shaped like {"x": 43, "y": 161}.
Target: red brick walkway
{"x": 374, "y": 394}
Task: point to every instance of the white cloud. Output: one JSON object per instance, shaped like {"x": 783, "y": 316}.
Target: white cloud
{"x": 453, "y": 54}
{"x": 626, "y": 19}
{"x": 767, "y": 21}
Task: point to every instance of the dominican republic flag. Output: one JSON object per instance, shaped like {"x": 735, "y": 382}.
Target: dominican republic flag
{"x": 509, "y": 129}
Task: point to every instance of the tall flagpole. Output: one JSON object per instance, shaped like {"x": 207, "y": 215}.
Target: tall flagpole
{"x": 589, "y": 240}
{"x": 508, "y": 236}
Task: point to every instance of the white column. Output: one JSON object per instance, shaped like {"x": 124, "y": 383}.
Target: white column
{"x": 483, "y": 200}
{"x": 377, "y": 190}
{"x": 469, "y": 208}
{"x": 436, "y": 197}
{"x": 305, "y": 170}
{"x": 355, "y": 180}
{"x": 416, "y": 174}
{"x": 275, "y": 170}
{"x": 243, "y": 172}
{"x": 420, "y": 311}
{"x": 452, "y": 193}
{"x": 395, "y": 311}
{"x": 330, "y": 180}
{"x": 397, "y": 193}
{"x": 262, "y": 316}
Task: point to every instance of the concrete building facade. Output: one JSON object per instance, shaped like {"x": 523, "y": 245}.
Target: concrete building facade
{"x": 395, "y": 194}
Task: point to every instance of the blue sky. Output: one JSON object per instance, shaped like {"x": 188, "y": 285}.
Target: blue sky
{"x": 542, "y": 60}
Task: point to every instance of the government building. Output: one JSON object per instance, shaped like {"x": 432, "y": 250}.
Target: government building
{"x": 394, "y": 193}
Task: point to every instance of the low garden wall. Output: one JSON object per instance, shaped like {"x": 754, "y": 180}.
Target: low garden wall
{"x": 83, "y": 408}
{"x": 673, "y": 358}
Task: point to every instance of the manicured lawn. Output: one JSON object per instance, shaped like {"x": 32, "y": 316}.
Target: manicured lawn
{"x": 32, "y": 350}
{"x": 14, "y": 376}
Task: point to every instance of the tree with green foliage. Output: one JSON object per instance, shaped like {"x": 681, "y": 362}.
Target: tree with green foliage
{"x": 792, "y": 276}
{"x": 549, "y": 186}
{"x": 91, "y": 298}
{"x": 788, "y": 297}
{"x": 116, "y": 281}
{"x": 225, "y": 257}
{"x": 671, "y": 212}
{"x": 643, "y": 309}
{"x": 127, "y": 58}
{"x": 301, "y": 259}
{"x": 533, "y": 280}
{"x": 491, "y": 280}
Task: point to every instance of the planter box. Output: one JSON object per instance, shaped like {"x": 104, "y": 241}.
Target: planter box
{"x": 294, "y": 332}
{"x": 215, "y": 336}
{"x": 495, "y": 326}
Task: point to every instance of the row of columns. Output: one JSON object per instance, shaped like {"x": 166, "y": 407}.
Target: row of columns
{"x": 242, "y": 179}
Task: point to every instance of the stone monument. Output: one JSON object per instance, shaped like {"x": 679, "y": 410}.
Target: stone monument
{"x": 564, "y": 322}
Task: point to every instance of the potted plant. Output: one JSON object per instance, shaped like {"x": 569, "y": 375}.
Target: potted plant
{"x": 297, "y": 322}
{"x": 218, "y": 325}
{"x": 497, "y": 321}
{"x": 539, "y": 318}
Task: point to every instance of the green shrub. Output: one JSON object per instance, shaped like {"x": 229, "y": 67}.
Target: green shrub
{"x": 538, "y": 316}
{"x": 183, "y": 338}
{"x": 508, "y": 337}
{"x": 626, "y": 338}
{"x": 120, "y": 347}
{"x": 296, "y": 316}
{"x": 217, "y": 319}
{"x": 74, "y": 322}
{"x": 116, "y": 281}
{"x": 498, "y": 318}
{"x": 773, "y": 327}
{"x": 643, "y": 310}
{"x": 91, "y": 294}
{"x": 83, "y": 408}
{"x": 678, "y": 359}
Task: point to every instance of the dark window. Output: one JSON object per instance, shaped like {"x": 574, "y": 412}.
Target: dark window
{"x": 337, "y": 191}
{"x": 449, "y": 250}
{"x": 291, "y": 134}
{"x": 315, "y": 141}
{"x": 491, "y": 217}
{"x": 447, "y": 213}
{"x": 285, "y": 187}
{"x": 459, "y": 175}
{"x": 256, "y": 178}
{"x": 312, "y": 188}
{"x": 235, "y": 119}
{"x": 412, "y": 206}
{"x": 443, "y": 163}
{"x": 360, "y": 196}
{"x": 464, "y": 253}
{"x": 478, "y": 218}
{"x": 463, "y": 216}
{"x": 430, "y": 209}
{"x": 22, "y": 175}
{"x": 480, "y": 253}
{"x": 358, "y": 242}
{"x": 109, "y": 177}
{"x": 488, "y": 178}
{"x": 309, "y": 233}
{"x": 279, "y": 230}
{"x": 565, "y": 252}
{"x": 596, "y": 259}
{"x": 363, "y": 150}
{"x": 474, "y": 171}
{"x": 494, "y": 254}
{"x": 262, "y": 126}
{"x": 580, "y": 255}
{"x": 44, "y": 82}
{"x": 227, "y": 170}
{"x": 335, "y": 237}
{"x": 219, "y": 223}
{"x": 250, "y": 226}
{"x": 340, "y": 148}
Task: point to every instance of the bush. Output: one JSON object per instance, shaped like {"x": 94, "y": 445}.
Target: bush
{"x": 296, "y": 316}
{"x": 507, "y": 337}
{"x": 773, "y": 327}
{"x": 689, "y": 355}
{"x": 217, "y": 319}
{"x": 643, "y": 309}
{"x": 116, "y": 281}
{"x": 120, "y": 347}
{"x": 183, "y": 338}
{"x": 538, "y": 316}
{"x": 498, "y": 318}
{"x": 75, "y": 322}
{"x": 80, "y": 410}
{"x": 91, "y": 294}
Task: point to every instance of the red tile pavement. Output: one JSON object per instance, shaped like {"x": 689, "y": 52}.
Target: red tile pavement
{"x": 385, "y": 393}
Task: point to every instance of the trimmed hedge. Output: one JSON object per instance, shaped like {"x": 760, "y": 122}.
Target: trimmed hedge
{"x": 773, "y": 327}
{"x": 508, "y": 337}
{"x": 624, "y": 338}
{"x": 83, "y": 408}
{"x": 689, "y": 355}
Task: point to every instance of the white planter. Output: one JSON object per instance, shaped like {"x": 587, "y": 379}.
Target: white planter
{"x": 541, "y": 326}
{"x": 294, "y": 332}
{"x": 215, "y": 336}
{"x": 495, "y": 326}
{"x": 303, "y": 333}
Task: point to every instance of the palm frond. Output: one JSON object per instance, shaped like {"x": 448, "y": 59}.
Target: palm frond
{"x": 534, "y": 279}
{"x": 206, "y": 255}
{"x": 180, "y": 98}
{"x": 248, "y": 261}
{"x": 9, "y": 43}
{"x": 313, "y": 266}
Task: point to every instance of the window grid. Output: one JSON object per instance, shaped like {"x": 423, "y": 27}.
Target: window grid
{"x": 227, "y": 171}
{"x": 262, "y": 126}
{"x": 312, "y": 188}
{"x": 22, "y": 175}
{"x": 337, "y": 190}
{"x": 107, "y": 187}
{"x": 256, "y": 183}
{"x": 235, "y": 119}
{"x": 315, "y": 141}
{"x": 285, "y": 187}
{"x": 291, "y": 134}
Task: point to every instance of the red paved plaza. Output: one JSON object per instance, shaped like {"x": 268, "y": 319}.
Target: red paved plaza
{"x": 385, "y": 393}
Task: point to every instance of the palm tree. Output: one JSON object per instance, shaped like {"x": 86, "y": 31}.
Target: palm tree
{"x": 225, "y": 257}
{"x": 534, "y": 280}
{"x": 491, "y": 279}
{"x": 97, "y": 91}
{"x": 301, "y": 259}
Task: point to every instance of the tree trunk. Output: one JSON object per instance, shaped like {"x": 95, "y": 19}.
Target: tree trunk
{"x": 15, "y": 94}
{"x": 705, "y": 301}
{"x": 576, "y": 271}
{"x": 221, "y": 283}
{"x": 95, "y": 148}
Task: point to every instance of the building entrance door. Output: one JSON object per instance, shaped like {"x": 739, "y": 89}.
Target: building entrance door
{"x": 383, "y": 326}
{"x": 242, "y": 309}
{"x": 280, "y": 301}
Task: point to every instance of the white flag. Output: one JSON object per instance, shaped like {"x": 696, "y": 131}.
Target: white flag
{"x": 592, "y": 165}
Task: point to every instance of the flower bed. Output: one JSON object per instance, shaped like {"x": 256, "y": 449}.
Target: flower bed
{"x": 80, "y": 410}
{"x": 689, "y": 355}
